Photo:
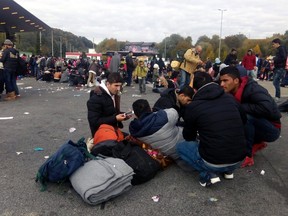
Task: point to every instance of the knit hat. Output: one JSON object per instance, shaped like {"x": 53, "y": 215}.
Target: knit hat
{"x": 8, "y": 42}
{"x": 222, "y": 66}
{"x": 156, "y": 66}
{"x": 217, "y": 61}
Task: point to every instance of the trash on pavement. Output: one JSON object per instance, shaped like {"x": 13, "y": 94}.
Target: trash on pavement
{"x": 262, "y": 172}
{"x": 71, "y": 130}
{"x": 18, "y": 153}
{"x": 38, "y": 149}
{"x": 26, "y": 113}
{"x": 212, "y": 199}
{"x": 6, "y": 118}
{"x": 156, "y": 198}
{"x": 135, "y": 95}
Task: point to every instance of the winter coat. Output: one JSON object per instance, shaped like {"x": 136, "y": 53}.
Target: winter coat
{"x": 249, "y": 62}
{"x": 101, "y": 110}
{"x": 230, "y": 58}
{"x": 115, "y": 62}
{"x": 280, "y": 57}
{"x": 10, "y": 59}
{"x": 140, "y": 71}
{"x": 159, "y": 130}
{"x": 218, "y": 119}
{"x": 256, "y": 101}
{"x": 192, "y": 60}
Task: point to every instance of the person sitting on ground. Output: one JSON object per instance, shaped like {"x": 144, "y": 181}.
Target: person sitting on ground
{"x": 104, "y": 104}
{"x": 157, "y": 129}
{"x": 217, "y": 117}
{"x": 175, "y": 98}
{"x": 263, "y": 117}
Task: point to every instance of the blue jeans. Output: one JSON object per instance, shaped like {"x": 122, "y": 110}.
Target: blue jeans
{"x": 184, "y": 79}
{"x": 129, "y": 77}
{"x": 142, "y": 85}
{"x": 251, "y": 73}
{"x": 188, "y": 151}
{"x": 8, "y": 79}
{"x": 258, "y": 130}
{"x": 279, "y": 74}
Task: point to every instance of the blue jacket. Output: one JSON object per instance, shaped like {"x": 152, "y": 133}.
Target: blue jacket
{"x": 159, "y": 130}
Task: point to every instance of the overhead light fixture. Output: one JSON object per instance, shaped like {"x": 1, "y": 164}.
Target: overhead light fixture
{"x": 21, "y": 17}
{"x": 13, "y": 27}
{"x": 36, "y": 26}
{"x": 13, "y": 13}
{"x": 6, "y": 8}
{"x": 21, "y": 30}
{"x": 3, "y": 23}
{"x": 32, "y": 23}
{"x": 27, "y": 20}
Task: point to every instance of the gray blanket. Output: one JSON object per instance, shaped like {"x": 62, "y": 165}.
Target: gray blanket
{"x": 100, "y": 180}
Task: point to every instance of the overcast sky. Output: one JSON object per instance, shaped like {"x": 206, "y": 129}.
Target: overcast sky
{"x": 153, "y": 20}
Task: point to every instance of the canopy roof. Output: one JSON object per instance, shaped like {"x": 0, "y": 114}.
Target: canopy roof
{"x": 14, "y": 18}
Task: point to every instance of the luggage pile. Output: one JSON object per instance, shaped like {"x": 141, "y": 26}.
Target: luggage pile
{"x": 108, "y": 169}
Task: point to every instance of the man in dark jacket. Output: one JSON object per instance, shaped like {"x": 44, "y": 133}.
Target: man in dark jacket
{"x": 104, "y": 104}
{"x": 174, "y": 98}
{"x": 263, "y": 117}
{"x": 218, "y": 119}
{"x": 10, "y": 62}
{"x": 130, "y": 67}
{"x": 279, "y": 66}
{"x": 231, "y": 58}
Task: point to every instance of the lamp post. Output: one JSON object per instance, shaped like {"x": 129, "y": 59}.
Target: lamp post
{"x": 222, "y": 10}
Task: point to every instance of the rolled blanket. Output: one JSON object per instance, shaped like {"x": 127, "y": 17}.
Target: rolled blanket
{"x": 100, "y": 180}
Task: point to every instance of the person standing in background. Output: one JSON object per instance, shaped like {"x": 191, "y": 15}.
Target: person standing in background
{"x": 130, "y": 67}
{"x": 249, "y": 63}
{"x": 279, "y": 66}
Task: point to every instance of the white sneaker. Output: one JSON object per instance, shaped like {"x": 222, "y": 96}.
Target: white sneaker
{"x": 277, "y": 99}
{"x": 229, "y": 175}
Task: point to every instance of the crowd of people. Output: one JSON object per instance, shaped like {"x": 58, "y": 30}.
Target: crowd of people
{"x": 210, "y": 117}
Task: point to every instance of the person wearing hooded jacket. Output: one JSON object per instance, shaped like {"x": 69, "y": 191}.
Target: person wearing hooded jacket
{"x": 104, "y": 104}
{"x": 217, "y": 117}
{"x": 156, "y": 128}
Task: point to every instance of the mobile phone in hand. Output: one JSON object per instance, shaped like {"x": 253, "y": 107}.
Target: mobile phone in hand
{"x": 129, "y": 113}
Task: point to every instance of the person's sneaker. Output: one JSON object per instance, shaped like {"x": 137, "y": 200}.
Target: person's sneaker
{"x": 248, "y": 161}
{"x": 209, "y": 180}
{"x": 277, "y": 99}
{"x": 229, "y": 175}
{"x": 257, "y": 147}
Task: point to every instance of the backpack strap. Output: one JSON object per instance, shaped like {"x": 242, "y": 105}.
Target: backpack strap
{"x": 83, "y": 148}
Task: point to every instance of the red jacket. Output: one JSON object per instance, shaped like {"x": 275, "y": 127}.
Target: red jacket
{"x": 249, "y": 62}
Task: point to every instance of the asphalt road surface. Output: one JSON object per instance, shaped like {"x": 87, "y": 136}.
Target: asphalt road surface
{"x": 42, "y": 118}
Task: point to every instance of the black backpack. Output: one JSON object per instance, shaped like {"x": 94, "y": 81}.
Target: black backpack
{"x": 143, "y": 165}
